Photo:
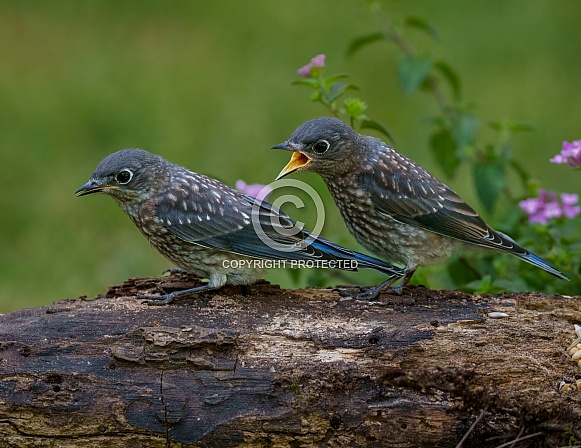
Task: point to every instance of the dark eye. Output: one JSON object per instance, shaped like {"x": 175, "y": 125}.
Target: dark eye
{"x": 123, "y": 177}
{"x": 321, "y": 146}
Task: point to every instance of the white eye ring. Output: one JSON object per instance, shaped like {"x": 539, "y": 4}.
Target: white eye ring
{"x": 124, "y": 176}
{"x": 321, "y": 146}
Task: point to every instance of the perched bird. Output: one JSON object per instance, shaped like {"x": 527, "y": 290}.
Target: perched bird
{"x": 203, "y": 226}
{"x": 392, "y": 206}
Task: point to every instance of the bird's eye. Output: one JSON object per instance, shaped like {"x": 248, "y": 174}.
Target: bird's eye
{"x": 321, "y": 146}
{"x": 124, "y": 176}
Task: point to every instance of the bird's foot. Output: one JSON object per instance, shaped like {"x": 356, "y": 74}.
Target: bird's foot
{"x": 364, "y": 294}
{"x": 369, "y": 293}
{"x": 172, "y": 271}
{"x": 166, "y": 298}
{"x": 397, "y": 290}
{"x": 347, "y": 293}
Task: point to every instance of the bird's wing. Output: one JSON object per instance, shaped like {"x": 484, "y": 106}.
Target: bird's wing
{"x": 409, "y": 194}
{"x": 419, "y": 199}
{"x": 216, "y": 216}
{"x": 201, "y": 210}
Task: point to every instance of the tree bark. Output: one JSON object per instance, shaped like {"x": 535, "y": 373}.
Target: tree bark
{"x": 260, "y": 366}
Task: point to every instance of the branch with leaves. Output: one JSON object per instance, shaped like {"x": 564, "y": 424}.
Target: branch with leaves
{"x": 454, "y": 143}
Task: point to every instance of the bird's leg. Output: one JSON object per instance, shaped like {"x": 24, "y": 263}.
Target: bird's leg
{"x": 407, "y": 278}
{"x": 373, "y": 292}
{"x": 164, "y": 299}
{"x": 216, "y": 282}
{"x": 369, "y": 293}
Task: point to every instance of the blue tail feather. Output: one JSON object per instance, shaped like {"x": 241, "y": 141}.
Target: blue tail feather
{"x": 537, "y": 261}
{"x": 364, "y": 261}
{"x": 370, "y": 262}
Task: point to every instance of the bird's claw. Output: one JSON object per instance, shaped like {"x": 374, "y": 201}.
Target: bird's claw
{"x": 166, "y": 298}
{"x": 346, "y": 292}
{"x": 370, "y": 293}
{"x": 171, "y": 271}
{"x": 365, "y": 294}
{"x": 163, "y": 299}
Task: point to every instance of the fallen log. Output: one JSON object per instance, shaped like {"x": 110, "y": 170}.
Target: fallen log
{"x": 263, "y": 366}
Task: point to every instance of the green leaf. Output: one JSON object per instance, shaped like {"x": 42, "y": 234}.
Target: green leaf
{"x": 443, "y": 147}
{"x": 328, "y": 82}
{"x": 359, "y": 42}
{"x": 422, "y": 25}
{"x": 489, "y": 180}
{"x": 514, "y": 284}
{"x": 337, "y": 90}
{"x": 412, "y": 71}
{"x": 451, "y": 76}
{"x": 482, "y": 286}
{"x": 464, "y": 127}
{"x": 372, "y": 124}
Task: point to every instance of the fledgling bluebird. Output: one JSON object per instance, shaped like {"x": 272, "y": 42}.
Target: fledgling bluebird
{"x": 391, "y": 205}
{"x": 199, "y": 223}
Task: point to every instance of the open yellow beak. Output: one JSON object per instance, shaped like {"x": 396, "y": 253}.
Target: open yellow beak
{"x": 298, "y": 160}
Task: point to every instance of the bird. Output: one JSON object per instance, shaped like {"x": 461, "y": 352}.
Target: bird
{"x": 390, "y": 204}
{"x": 209, "y": 229}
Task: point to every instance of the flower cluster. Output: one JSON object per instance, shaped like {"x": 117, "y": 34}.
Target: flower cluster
{"x": 257, "y": 191}
{"x": 312, "y": 69}
{"x": 570, "y": 154}
{"x": 548, "y": 206}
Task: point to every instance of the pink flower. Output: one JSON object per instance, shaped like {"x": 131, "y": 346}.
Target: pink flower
{"x": 257, "y": 191}
{"x": 570, "y": 154}
{"x": 305, "y": 71}
{"x": 548, "y": 206}
{"x": 318, "y": 62}
{"x": 568, "y": 201}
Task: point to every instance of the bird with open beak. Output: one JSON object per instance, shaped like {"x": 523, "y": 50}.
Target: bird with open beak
{"x": 393, "y": 206}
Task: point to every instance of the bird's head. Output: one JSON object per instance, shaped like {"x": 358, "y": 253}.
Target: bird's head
{"x": 127, "y": 175}
{"x": 322, "y": 145}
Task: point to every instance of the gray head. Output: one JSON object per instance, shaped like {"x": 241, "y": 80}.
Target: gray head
{"x": 127, "y": 175}
{"x": 322, "y": 145}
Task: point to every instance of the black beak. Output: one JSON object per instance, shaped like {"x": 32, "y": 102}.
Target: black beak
{"x": 284, "y": 146}
{"x": 89, "y": 187}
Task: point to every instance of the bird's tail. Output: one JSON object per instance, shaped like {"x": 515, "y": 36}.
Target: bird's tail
{"x": 533, "y": 259}
{"x": 363, "y": 261}
{"x": 537, "y": 261}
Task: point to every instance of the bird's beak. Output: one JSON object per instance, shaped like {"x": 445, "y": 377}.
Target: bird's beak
{"x": 298, "y": 160}
{"x": 91, "y": 187}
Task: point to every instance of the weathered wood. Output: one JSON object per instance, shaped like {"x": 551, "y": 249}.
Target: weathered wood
{"x": 261, "y": 366}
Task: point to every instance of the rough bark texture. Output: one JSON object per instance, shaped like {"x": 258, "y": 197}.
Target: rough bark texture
{"x": 261, "y": 366}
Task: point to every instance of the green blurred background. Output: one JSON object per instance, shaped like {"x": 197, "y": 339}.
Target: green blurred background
{"x": 208, "y": 85}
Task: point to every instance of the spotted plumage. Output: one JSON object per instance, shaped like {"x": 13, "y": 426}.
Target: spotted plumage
{"x": 393, "y": 206}
{"x": 198, "y": 223}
